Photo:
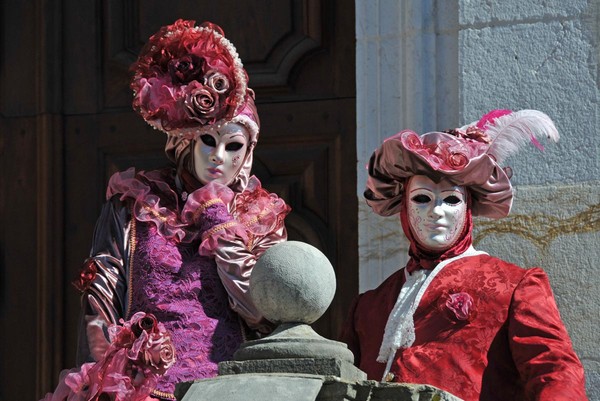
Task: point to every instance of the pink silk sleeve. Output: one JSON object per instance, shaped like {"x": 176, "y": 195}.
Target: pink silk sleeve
{"x": 235, "y": 262}
{"x": 540, "y": 345}
{"x": 104, "y": 299}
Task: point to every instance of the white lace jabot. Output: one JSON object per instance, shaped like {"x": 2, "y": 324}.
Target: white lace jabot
{"x": 400, "y": 327}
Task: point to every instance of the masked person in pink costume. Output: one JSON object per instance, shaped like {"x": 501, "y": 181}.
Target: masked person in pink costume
{"x": 454, "y": 317}
{"x": 178, "y": 245}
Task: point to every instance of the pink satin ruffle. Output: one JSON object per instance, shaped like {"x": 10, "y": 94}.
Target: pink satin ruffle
{"x": 199, "y": 200}
{"x": 140, "y": 351}
{"x": 258, "y": 210}
{"x": 147, "y": 205}
{"x": 251, "y": 213}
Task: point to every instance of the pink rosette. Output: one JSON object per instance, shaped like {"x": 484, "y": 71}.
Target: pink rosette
{"x": 460, "y": 305}
{"x": 258, "y": 210}
{"x": 202, "y": 103}
{"x": 474, "y": 133}
{"x": 410, "y": 140}
{"x": 456, "y": 160}
{"x": 187, "y": 68}
{"x": 158, "y": 353}
{"x": 217, "y": 81}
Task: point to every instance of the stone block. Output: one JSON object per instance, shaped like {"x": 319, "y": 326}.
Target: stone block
{"x": 315, "y": 366}
{"x": 488, "y": 12}
{"x": 253, "y": 387}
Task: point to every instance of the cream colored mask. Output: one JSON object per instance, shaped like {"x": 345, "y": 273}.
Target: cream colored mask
{"x": 219, "y": 153}
{"x": 436, "y": 212}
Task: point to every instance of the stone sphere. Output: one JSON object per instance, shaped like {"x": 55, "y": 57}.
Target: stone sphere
{"x": 292, "y": 282}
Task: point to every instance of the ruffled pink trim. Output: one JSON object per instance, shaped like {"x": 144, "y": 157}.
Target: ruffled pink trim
{"x": 199, "y": 200}
{"x": 256, "y": 212}
{"x": 260, "y": 211}
{"x": 147, "y": 206}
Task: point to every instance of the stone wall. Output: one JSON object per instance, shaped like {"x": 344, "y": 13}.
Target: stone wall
{"x": 429, "y": 65}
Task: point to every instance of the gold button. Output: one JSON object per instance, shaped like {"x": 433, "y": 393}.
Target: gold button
{"x": 389, "y": 377}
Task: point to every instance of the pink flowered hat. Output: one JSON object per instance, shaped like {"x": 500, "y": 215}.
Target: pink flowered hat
{"x": 188, "y": 78}
{"x": 469, "y": 156}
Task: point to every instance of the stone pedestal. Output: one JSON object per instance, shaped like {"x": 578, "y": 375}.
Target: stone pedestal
{"x": 293, "y": 284}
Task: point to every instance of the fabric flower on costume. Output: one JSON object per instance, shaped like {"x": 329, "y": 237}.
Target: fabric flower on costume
{"x": 87, "y": 275}
{"x": 460, "y": 305}
{"x": 140, "y": 352}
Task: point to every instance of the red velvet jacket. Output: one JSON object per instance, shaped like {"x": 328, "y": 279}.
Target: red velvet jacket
{"x": 514, "y": 345}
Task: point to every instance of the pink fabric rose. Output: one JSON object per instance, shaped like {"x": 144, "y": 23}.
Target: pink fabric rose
{"x": 159, "y": 353}
{"x": 411, "y": 140}
{"x": 476, "y": 134}
{"x": 201, "y": 103}
{"x": 457, "y": 161}
{"x": 186, "y": 69}
{"x": 217, "y": 81}
{"x": 86, "y": 275}
{"x": 461, "y": 305}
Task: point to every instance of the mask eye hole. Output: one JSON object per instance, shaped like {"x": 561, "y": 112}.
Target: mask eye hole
{"x": 452, "y": 200}
{"x": 421, "y": 199}
{"x": 208, "y": 140}
{"x": 234, "y": 146}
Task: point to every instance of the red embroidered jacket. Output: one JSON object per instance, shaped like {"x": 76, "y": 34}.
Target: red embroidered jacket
{"x": 513, "y": 346}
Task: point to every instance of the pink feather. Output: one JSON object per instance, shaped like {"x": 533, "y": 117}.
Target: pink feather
{"x": 509, "y": 132}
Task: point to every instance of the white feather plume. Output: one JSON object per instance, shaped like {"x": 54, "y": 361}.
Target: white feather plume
{"x": 510, "y": 132}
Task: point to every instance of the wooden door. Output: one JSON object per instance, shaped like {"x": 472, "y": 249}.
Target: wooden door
{"x": 300, "y": 58}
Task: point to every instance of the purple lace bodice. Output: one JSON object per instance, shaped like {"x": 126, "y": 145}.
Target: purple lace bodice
{"x": 183, "y": 290}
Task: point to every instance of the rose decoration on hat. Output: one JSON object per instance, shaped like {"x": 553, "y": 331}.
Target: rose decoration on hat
{"x": 470, "y": 156}
{"x": 187, "y": 77}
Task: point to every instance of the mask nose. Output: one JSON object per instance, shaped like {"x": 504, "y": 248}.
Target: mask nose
{"x": 216, "y": 156}
{"x": 436, "y": 210}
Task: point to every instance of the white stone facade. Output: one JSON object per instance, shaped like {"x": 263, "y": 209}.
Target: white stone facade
{"x": 435, "y": 64}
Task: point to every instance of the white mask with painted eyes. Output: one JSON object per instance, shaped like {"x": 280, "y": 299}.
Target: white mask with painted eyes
{"x": 219, "y": 153}
{"x": 436, "y": 212}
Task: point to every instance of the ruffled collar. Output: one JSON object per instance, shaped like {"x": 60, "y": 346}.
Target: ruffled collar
{"x": 155, "y": 200}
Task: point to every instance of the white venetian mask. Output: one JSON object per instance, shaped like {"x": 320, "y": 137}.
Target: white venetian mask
{"x": 436, "y": 212}
{"x": 220, "y": 152}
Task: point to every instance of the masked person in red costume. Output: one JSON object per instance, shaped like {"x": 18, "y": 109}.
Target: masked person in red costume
{"x": 165, "y": 289}
{"x": 454, "y": 317}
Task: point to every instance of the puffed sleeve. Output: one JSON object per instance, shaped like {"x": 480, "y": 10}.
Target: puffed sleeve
{"x": 103, "y": 281}
{"x": 540, "y": 345}
{"x": 236, "y": 230}
{"x": 235, "y": 261}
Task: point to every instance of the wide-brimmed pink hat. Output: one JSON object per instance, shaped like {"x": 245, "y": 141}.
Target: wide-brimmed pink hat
{"x": 470, "y": 156}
